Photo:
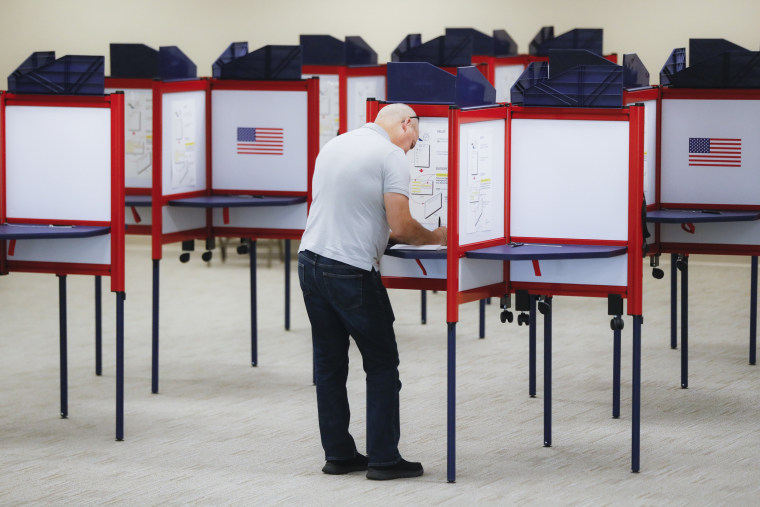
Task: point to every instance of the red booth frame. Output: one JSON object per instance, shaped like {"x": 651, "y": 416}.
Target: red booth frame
{"x": 116, "y": 268}
{"x": 114, "y": 102}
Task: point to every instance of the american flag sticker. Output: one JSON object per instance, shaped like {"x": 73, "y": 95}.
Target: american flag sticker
{"x": 715, "y": 152}
{"x": 260, "y": 141}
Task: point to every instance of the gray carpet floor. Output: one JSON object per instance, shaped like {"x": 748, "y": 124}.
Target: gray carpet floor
{"x": 221, "y": 432}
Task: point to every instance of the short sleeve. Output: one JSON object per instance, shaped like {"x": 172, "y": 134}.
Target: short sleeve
{"x": 396, "y": 173}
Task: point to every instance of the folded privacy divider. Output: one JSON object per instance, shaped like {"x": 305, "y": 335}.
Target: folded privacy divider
{"x": 62, "y": 207}
{"x": 229, "y": 156}
{"x": 522, "y": 220}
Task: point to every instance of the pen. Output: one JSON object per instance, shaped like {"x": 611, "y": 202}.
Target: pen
{"x": 705, "y": 211}
{"x": 439, "y": 220}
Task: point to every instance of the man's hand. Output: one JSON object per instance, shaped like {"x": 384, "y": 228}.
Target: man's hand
{"x": 442, "y": 233}
{"x": 406, "y": 229}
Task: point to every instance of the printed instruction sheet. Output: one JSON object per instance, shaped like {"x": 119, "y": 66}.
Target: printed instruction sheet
{"x": 184, "y": 159}
{"x": 479, "y": 172}
{"x": 429, "y": 186}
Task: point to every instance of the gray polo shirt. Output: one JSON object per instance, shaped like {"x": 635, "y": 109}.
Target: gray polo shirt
{"x": 347, "y": 220}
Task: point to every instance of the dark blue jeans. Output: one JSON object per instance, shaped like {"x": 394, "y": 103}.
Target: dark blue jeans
{"x": 342, "y": 300}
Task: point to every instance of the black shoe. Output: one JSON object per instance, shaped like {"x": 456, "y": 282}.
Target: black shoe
{"x": 401, "y": 470}
{"x": 343, "y": 466}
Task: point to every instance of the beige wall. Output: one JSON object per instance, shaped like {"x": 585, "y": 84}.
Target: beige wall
{"x": 202, "y": 29}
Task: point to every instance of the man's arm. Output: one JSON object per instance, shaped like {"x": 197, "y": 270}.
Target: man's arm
{"x": 404, "y": 228}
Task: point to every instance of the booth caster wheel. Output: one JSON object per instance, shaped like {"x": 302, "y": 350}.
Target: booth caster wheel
{"x": 506, "y": 316}
{"x": 206, "y": 256}
{"x": 543, "y": 307}
{"x": 617, "y": 323}
{"x": 242, "y": 249}
{"x": 184, "y": 257}
{"x": 658, "y": 273}
{"x": 523, "y": 318}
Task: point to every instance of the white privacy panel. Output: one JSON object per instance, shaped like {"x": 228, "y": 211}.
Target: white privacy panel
{"x": 259, "y": 140}
{"x": 138, "y": 137}
{"x": 183, "y": 142}
{"x": 610, "y": 271}
{"x": 474, "y": 273}
{"x": 408, "y": 268}
{"x": 94, "y": 250}
{"x": 358, "y": 90}
{"x": 58, "y": 163}
{"x": 263, "y": 217}
{"x": 721, "y": 233}
{"x": 710, "y": 151}
{"x": 481, "y": 181}
{"x": 569, "y": 179}
{"x": 176, "y": 219}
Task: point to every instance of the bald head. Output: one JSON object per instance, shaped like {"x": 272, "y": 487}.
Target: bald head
{"x": 401, "y": 123}
{"x": 394, "y": 112}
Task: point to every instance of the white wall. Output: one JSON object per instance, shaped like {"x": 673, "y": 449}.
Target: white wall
{"x": 202, "y": 29}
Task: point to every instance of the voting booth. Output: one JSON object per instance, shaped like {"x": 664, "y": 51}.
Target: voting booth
{"x": 558, "y": 243}
{"x": 233, "y": 157}
{"x": 431, "y": 93}
{"x": 136, "y": 70}
{"x": 584, "y": 239}
{"x": 707, "y": 168}
{"x": 522, "y": 219}
{"x": 348, "y": 75}
{"x": 431, "y": 193}
{"x": 428, "y": 86}
{"x": 62, "y": 207}
{"x": 229, "y": 156}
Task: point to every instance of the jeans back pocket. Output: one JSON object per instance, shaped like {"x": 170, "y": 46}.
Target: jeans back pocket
{"x": 344, "y": 290}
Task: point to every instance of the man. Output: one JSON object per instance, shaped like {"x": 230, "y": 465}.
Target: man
{"x": 360, "y": 198}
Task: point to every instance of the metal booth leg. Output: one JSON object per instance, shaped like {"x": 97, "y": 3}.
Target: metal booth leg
{"x": 636, "y": 394}
{"x": 616, "y": 360}
{"x": 287, "y": 284}
{"x": 753, "y": 312}
{"x": 154, "y": 344}
{"x": 63, "y": 346}
{"x": 482, "y": 304}
{"x": 546, "y": 308}
{"x": 451, "y": 405}
{"x": 615, "y": 308}
{"x": 423, "y": 306}
{"x": 674, "y": 301}
{"x": 254, "y": 325}
{"x": 120, "y": 296}
{"x": 532, "y": 348}
{"x": 98, "y": 326}
{"x": 684, "y": 321}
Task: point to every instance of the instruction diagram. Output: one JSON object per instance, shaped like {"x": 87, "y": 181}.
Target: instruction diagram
{"x": 184, "y": 158}
{"x": 429, "y": 186}
{"x": 329, "y": 108}
{"x": 479, "y": 171}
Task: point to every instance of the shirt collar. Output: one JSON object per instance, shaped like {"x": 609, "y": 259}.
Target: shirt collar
{"x": 377, "y": 128}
